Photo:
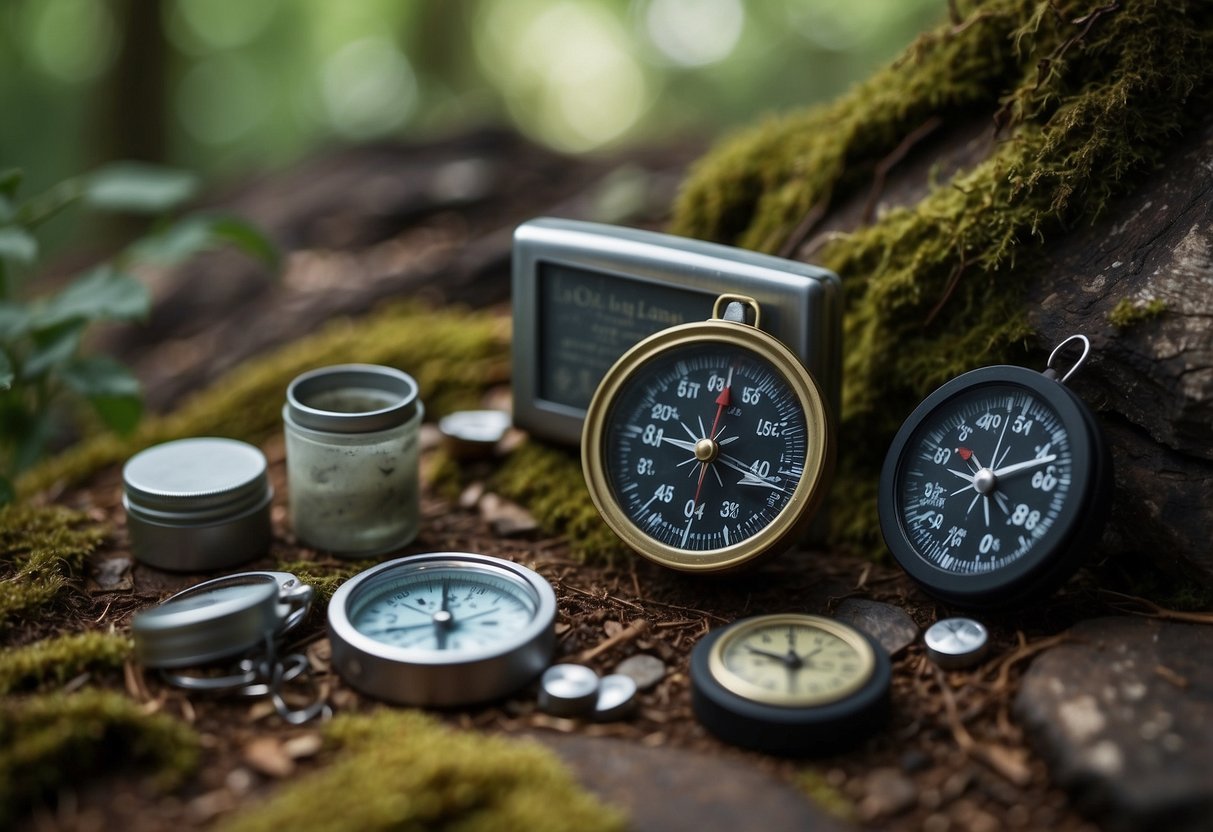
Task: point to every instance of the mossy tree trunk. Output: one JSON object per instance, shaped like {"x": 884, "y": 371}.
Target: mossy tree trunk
{"x": 1029, "y": 170}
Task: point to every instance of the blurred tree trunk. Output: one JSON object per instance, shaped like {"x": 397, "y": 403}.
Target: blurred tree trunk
{"x": 132, "y": 107}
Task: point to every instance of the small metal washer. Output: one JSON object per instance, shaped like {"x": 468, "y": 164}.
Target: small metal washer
{"x": 955, "y": 643}
{"x": 616, "y": 697}
{"x": 568, "y": 690}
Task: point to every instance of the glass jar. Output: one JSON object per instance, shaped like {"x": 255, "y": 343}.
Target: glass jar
{"x": 351, "y": 455}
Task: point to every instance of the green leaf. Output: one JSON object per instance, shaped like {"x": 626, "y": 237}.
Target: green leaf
{"x": 6, "y": 371}
{"x": 201, "y": 232}
{"x": 99, "y": 375}
{"x": 52, "y": 347}
{"x": 10, "y": 181}
{"x": 15, "y": 320}
{"x": 17, "y": 245}
{"x": 111, "y": 388}
{"x": 100, "y": 294}
{"x": 120, "y": 413}
{"x": 138, "y": 188}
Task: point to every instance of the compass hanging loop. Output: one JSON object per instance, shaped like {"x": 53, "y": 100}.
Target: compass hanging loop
{"x": 734, "y": 308}
{"x": 1082, "y": 359}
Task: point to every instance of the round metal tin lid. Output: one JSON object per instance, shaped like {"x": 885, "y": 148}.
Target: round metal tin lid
{"x": 219, "y": 618}
{"x": 352, "y": 398}
{"x": 196, "y": 475}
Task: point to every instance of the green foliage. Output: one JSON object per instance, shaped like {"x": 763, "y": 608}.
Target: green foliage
{"x": 1089, "y": 97}
{"x": 55, "y": 741}
{"x": 402, "y": 770}
{"x": 55, "y": 660}
{"x": 454, "y": 356}
{"x": 1126, "y": 313}
{"x": 40, "y": 337}
{"x": 41, "y": 549}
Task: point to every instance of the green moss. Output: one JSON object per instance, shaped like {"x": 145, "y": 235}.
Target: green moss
{"x": 324, "y": 578}
{"x": 938, "y": 288}
{"x": 819, "y": 790}
{"x": 41, "y": 549}
{"x": 1126, "y": 313}
{"x": 403, "y": 770}
{"x": 56, "y": 660}
{"x": 454, "y": 355}
{"x": 549, "y": 482}
{"x": 52, "y": 742}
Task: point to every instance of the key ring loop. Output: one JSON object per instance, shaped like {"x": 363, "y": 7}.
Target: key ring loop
{"x": 1086, "y": 351}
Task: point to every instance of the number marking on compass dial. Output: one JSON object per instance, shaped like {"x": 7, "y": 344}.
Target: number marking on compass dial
{"x": 482, "y": 610}
{"x": 986, "y": 480}
{"x": 705, "y": 445}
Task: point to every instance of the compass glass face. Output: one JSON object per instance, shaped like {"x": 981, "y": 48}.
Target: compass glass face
{"x": 792, "y": 661}
{"x": 443, "y": 608}
{"x": 705, "y": 445}
{"x": 985, "y": 479}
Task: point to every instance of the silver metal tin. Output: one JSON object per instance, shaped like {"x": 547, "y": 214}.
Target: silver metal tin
{"x": 411, "y": 676}
{"x": 956, "y": 643}
{"x": 568, "y": 690}
{"x": 219, "y": 619}
{"x": 623, "y": 284}
{"x": 352, "y": 398}
{"x": 616, "y": 698}
{"x": 198, "y": 504}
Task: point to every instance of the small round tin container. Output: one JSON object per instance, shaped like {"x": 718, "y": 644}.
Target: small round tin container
{"x": 197, "y": 505}
{"x": 352, "y": 458}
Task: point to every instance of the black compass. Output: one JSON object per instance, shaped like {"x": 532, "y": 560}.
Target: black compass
{"x": 996, "y": 486}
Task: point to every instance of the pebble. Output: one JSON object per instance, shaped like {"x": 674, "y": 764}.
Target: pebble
{"x": 266, "y": 755}
{"x": 506, "y": 518}
{"x": 473, "y": 434}
{"x": 889, "y": 625}
{"x": 887, "y": 792}
{"x": 645, "y": 670}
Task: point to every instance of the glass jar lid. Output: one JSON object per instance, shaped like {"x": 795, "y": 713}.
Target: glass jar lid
{"x": 196, "y": 478}
{"x": 352, "y": 398}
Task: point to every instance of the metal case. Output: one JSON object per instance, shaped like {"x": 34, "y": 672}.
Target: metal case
{"x": 584, "y": 293}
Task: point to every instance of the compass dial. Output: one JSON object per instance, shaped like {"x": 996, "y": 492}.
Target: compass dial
{"x": 792, "y": 660}
{"x": 705, "y": 446}
{"x": 995, "y": 487}
{"x": 443, "y": 608}
{"x": 986, "y": 480}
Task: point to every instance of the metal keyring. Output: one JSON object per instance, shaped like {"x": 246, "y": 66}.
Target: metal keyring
{"x": 1086, "y": 350}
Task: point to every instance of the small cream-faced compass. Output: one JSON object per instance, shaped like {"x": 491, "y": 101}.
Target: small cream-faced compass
{"x": 997, "y": 485}
{"x": 790, "y": 684}
{"x": 708, "y": 444}
{"x": 447, "y": 628}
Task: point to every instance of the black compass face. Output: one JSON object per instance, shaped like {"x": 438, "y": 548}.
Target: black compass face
{"x": 985, "y": 480}
{"x": 995, "y": 488}
{"x": 705, "y": 445}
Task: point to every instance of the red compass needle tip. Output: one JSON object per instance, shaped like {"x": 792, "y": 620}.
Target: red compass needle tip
{"x": 965, "y": 453}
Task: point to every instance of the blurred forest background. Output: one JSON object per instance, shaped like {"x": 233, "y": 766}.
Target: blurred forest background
{"x": 228, "y": 87}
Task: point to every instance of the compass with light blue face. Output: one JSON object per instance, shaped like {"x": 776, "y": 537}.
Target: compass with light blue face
{"x": 447, "y": 628}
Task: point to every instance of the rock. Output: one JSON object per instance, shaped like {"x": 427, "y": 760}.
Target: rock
{"x": 668, "y": 788}
{"x": 266, "y": 755}
{"x": 888, "y": 792}
{"x": 889, "y": 625}
{"x": 1124, "y": 715}
{"x": 507, "y": 519}
{"x": 110, "y": 575}
{"x": 646, "y": 671}
{"x": 304, "y": 745}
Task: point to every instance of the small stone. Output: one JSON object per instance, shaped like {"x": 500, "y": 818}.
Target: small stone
{"x": 471, "y": 496}
{"x": 887, "y": 792}
{"x": 111, "y": 575}
{"x": 646, "y": 671}
{"x": 266, "y": 755}
{"x": 1140, "y": 757}
{"x": 889, "y": 625}
{"x": 304, "y": 745}
{"x": 506, "y": 518}
{"x": 239, "y": 781}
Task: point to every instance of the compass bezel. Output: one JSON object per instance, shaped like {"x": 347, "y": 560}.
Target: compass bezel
{"x": 1046, "y": 565}
{"x": 806, "y": 497}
